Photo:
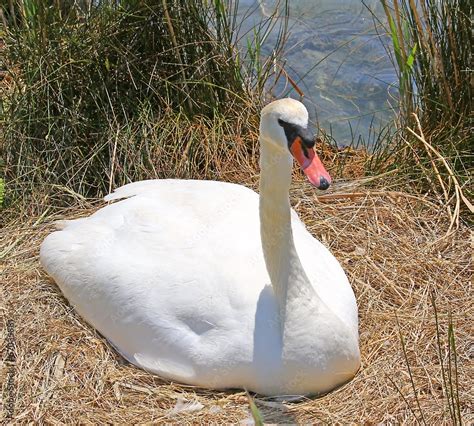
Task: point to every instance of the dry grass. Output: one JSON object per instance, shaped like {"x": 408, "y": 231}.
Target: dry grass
{"x": 396, "y": 252}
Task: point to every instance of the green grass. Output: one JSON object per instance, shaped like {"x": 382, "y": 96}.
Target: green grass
{"x": 448, "y": 365}
{"x": 432, "y": 49}
{"x": 2, "y": 191}
{"x": 254, "y": 411}
{"x": 102, "y": 95}
{"x": 432, "y": 150}
{"x": 97, "y": 91}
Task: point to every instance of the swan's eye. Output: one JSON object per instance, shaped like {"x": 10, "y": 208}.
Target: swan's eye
{"x": 293, "y": 131}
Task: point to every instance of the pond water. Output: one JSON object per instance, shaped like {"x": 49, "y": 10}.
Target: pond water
{"x": 339, "y": 60}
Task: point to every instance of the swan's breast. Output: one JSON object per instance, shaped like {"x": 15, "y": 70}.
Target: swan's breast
{"x": 326, "y": 275}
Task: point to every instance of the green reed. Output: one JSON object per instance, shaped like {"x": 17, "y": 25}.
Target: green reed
{"x": 82, "y": 73}
{"x": 432, "y": 52}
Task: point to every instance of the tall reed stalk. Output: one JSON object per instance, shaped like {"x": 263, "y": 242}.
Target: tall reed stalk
{"x": 432, "y": 46}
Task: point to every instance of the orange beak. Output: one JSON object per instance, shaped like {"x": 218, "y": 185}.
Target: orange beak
{"x": 311, "y": 164}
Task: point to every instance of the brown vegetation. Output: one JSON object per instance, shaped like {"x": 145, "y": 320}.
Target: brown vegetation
{"x": 398, "y": 256}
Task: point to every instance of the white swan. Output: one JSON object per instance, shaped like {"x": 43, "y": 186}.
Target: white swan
{"x": 209, "y": 284}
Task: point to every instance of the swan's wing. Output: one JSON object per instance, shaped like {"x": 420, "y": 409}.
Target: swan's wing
{"x": 160, "y": 186}
{"x": 154, "y": 272}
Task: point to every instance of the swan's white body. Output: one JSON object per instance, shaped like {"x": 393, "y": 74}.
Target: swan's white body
{"x": 175, "y": 277}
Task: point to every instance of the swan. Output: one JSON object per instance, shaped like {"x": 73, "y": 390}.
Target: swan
{"x": 210, "y": 284}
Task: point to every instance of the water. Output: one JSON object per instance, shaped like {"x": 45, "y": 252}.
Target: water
{"x": 338, "y": 60}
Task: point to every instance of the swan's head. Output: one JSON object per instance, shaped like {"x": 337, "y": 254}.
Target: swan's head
{"x": 284, "y": 124}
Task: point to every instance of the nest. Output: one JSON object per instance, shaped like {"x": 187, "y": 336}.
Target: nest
{"x": 412, "y": 281}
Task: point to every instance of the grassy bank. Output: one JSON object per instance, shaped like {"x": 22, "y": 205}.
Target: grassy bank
{"x": 93, "y": 95}
{"x": 97, "y": 96}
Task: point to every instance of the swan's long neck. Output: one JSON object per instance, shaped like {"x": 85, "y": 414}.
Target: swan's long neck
{"x": 290, "y": 283}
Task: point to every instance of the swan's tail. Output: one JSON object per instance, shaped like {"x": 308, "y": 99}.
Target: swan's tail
{"x": 134, "y": 188}
{"x": 61, "y": 224}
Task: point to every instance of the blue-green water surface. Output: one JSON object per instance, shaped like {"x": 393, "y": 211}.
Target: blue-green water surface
{"x": 337, "y": 53}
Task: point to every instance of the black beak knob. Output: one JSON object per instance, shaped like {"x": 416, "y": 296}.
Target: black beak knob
{"x": 323, "y": 183}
